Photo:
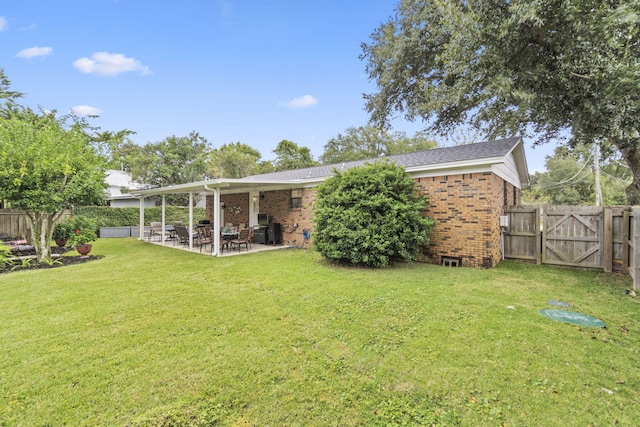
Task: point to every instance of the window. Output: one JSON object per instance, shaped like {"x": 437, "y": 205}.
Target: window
{"x": 296, "y": 198}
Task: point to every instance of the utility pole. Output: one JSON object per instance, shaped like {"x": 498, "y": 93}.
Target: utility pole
{"x": 597, "y": 171}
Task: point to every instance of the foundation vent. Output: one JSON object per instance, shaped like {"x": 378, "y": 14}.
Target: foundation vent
{"x": 451, "y": 261}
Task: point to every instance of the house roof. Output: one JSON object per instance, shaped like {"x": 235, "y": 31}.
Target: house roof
{"x": 483, "y": 155}
{"x": 496, "y": 149}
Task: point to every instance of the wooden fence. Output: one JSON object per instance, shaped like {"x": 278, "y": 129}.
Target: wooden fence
{"x": 579, "y": 236}
{"x": 13, "y": 224}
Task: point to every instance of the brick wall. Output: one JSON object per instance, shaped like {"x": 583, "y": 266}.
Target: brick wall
{"x": 276, "y": 204}
{"x": 466, "y": 208}
{"x": 231, "y": 202}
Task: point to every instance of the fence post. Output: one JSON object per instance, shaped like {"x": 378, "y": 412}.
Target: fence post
{"x": 635, "y": 240}
{"x": 626, "y": 218}
{"x": 607, "y": 246}
{"x": 538, "y": 220}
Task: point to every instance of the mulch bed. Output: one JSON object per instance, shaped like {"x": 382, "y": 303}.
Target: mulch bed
{"x": 19, "y": 265}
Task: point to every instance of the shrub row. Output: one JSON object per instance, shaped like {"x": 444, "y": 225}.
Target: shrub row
{"x": 107, "y": 216}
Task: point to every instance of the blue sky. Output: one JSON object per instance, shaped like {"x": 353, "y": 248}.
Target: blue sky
{"x": 256, "y": 72}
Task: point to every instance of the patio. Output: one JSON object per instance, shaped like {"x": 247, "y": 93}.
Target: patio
{"x": 254, "y": 247}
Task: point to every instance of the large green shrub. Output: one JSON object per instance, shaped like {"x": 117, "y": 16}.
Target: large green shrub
{"x": 371, "y": 216}
{"x": 84, "y": 230}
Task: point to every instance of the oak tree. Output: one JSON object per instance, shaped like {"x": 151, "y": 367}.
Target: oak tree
{"x": 543, "y": 69}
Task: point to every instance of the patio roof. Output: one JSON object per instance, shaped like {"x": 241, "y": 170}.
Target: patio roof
{"x": 228, "y": 185}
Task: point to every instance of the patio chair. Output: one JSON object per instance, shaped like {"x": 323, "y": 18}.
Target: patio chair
{"x": 242, "y": 239}
{"x": 182, "y": 235}
{"x": 204, "y": 237}
{"x": 155, "y": 229}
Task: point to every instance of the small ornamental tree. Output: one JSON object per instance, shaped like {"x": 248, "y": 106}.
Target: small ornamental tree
{"x": 371, "y": 216}
{"x": 47, "y": 165}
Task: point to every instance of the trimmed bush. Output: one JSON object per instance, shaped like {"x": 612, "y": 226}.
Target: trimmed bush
{"x": 106, "y": 216}
{"x": 370, "y": 216}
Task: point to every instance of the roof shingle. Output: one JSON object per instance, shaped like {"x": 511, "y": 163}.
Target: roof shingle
{"x": 460, "y": 153}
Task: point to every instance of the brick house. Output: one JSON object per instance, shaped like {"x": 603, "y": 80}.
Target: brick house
{"x": 468, "y": 188}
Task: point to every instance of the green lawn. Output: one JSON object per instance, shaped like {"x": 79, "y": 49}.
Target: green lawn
{"x": 154, "y": 336}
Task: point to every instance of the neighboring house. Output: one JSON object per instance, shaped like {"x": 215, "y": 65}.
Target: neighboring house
{"x": 120, "y": 187}
{"x": 123, "y": 192}
{"x": 468, "y": 188}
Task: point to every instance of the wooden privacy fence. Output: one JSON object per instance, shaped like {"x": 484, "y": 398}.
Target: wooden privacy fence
{"x": 578, "y": 236}
{"x": 13, "y": 224}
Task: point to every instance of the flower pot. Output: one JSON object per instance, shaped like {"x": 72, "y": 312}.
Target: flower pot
{"x": 84, "y": 250}
{"x": 61, "y": 242}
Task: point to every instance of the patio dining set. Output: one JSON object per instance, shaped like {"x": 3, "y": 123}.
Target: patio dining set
{"x": 231, "y": 237}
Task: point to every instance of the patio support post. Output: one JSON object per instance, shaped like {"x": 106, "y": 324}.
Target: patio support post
{"x": 254, "y": 207}
{"x": 190, "y": 220}
{"x": 141, "y": 226}
{"x": 163, "y": 217}
{"x": 216, "y": 223}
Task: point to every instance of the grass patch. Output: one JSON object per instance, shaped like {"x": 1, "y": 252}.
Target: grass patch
{"x": 149, "y": 336}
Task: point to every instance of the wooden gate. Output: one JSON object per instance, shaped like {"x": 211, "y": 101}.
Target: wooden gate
{"x": 579, "y": 236}
{"x": 572, "y": 236}
{"x": 522, "y": 237}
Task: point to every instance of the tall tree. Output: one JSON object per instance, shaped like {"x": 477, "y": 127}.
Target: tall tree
{"x": 368, "y": 142}
{"x": 117, "y": 146}
{"x": 47, "y": 164}
{"x": 5, "y": 93}
{"x": 538, "y": 68}
{"x": 174, "y": 160}
{"x": 234, "y": 160}
{"x": 290, "y": 156}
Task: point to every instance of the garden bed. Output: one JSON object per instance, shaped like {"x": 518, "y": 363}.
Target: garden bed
{"x": 26, "y": 260}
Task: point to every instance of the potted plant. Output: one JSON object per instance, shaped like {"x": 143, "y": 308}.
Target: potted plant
{"x": 61, "y": 232}
{"x": 83, "y": 232}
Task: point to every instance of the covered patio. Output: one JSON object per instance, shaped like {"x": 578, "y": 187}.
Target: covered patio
{"x": 253, "y": 189}
{"x": 207, "y": 249}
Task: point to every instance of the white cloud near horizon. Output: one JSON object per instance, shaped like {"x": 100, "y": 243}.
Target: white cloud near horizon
{"x": 3, "y": 23}
{"x": 86, "y": 111}
{"x": 35, "y": 51}
{"x": 302, "y": 102}
{"x": 109, "y": 64}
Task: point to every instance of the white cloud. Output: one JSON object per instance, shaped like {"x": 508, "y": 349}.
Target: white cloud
{"x": 109, "y": 64}
{"x": 225, "y": 7}
{"x": 302, "y": 102}
{"x": 32, "y": 52}
{"x": 86, "y": 110}
{"x": 3, "y": 23}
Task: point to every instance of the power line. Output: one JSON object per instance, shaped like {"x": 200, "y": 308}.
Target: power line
{"x": 567, "y": 181}
{"x": 626, "y": 181}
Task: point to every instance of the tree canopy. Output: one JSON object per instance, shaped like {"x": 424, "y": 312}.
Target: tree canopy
{"x": 368, "y": 142}
{"x": 174, "y": 160}
{"x": 234, "y": 160}
{"x": 371, "y": 216}
{"x": 290, "y": 156}
{"x": 537, "y": 68}
{"x": 570, "y": 179}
